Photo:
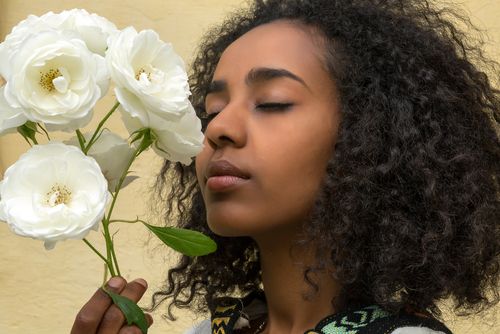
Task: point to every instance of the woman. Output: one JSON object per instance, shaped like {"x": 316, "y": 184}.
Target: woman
{"x": 350, "y": 170}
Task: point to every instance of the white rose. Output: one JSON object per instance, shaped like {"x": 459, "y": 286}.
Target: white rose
{"x": 112, "y": 153}
{"x": 180, "y": 141}
{"x": 150, "y": 78}
{"x": 176, "y": 140}
{"x": 53, "y": 192}
{"x": 10, "y": 118}
{"x": 152, "y": 88}
{"x": 56, "y": 80}
{"x": 93, "y": 29}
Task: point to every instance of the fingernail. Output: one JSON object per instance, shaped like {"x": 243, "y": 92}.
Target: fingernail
{"x": 141, "y": 282}
{"x": 115, "y": 282}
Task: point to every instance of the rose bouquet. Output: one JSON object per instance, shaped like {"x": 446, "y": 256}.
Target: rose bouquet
{"x": 55, "y": 68}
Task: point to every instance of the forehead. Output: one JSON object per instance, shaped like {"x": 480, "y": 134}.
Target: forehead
{"x": 279, "y": 44}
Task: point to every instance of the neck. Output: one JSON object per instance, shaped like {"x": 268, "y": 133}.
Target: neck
{"x": 293, "y": 304}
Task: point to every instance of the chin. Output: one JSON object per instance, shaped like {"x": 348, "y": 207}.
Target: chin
{"x": 226, "y": 229}
{"x": 227, "y": 226}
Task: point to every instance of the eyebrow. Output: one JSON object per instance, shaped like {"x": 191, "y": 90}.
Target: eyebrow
{"x": 255, "y": 75}
{"x": 266, "y": 74}
{"x": 217, "y": 86}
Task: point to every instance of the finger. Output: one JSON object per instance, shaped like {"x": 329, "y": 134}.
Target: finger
{"x": 130, "y": 330}
{"x": 88, "y": 319}
{"x": 149, "y": 319}
{"x": 135, "y": 329}
{"x": 114, "y": 319}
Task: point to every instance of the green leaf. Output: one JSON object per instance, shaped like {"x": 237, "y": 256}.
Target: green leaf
{"x": 135, "y": 136}
{"x": 191, "y": 243}
{"x": 28, "y": 130}
{"x": 81, "y": 139}
{"x": 132, "y": 312}
{"x": 147, "y": 140}
{"x": 31, "y": 125}
{"x": 146, "y": 137}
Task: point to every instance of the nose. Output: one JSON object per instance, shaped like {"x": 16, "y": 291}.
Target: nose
{"x": 227, "y": 128}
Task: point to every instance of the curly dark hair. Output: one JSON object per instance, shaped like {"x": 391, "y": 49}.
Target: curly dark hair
{"x": 408, "y": 213}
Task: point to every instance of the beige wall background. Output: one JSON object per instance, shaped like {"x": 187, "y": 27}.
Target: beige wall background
{"x": 41, "y": 291}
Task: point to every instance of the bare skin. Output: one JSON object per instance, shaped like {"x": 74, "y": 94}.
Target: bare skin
{"x": 275, "y": 121}
{"x": 285, "y": 289}
{"x": 282, "y": 154}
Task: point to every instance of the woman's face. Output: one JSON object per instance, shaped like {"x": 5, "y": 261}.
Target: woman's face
{"x": 274, "y": 120}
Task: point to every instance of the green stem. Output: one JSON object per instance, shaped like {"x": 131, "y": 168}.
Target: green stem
{"x": 126, "y": 221}
{"x": 110, "y": 251}
{"x": 99, "y": 127}
{"x": 115, "y": 261}
{"x": 113, "y": 254}
{"x": 105, "y": 275}
{"x": 95, "y": 250}
{"x": 109, "y": 247}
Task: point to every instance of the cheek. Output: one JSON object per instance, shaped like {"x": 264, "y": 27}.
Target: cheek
{"x": 300, "y": 169}
{"x": 289, "y": 179}
{"x": 301, "y": 156}
{"x": 295, "y": 186}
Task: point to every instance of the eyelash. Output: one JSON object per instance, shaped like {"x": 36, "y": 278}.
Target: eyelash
{"x": 274, "y": 106}
{"x": 270, "y": 106}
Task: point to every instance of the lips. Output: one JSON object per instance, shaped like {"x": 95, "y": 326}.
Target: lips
{"x": 223, "y": 176}
{"x": 225, "y": 168}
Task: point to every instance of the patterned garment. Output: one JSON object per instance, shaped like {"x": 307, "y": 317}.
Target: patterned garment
{"x": 225, "y": 318}
{"x": 374, "y": 320}
{"x": 240, "y": 316}
{"x": 350, "y": 322}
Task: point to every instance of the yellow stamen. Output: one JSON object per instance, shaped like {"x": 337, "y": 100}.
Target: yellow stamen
{"x": 47, "y": 78}
{"x": 58, "y": 195}
{"x": 142, "y": 70}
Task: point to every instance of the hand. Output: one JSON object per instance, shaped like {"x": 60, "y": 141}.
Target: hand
{"x": 100, "y": 316}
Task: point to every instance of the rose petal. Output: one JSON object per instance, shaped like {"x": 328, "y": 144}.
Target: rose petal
{"x": 53, "y": 192}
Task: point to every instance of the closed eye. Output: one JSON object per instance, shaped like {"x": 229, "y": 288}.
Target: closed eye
{"x": 206, "y": 117}
{"x": 274, "y": 106}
